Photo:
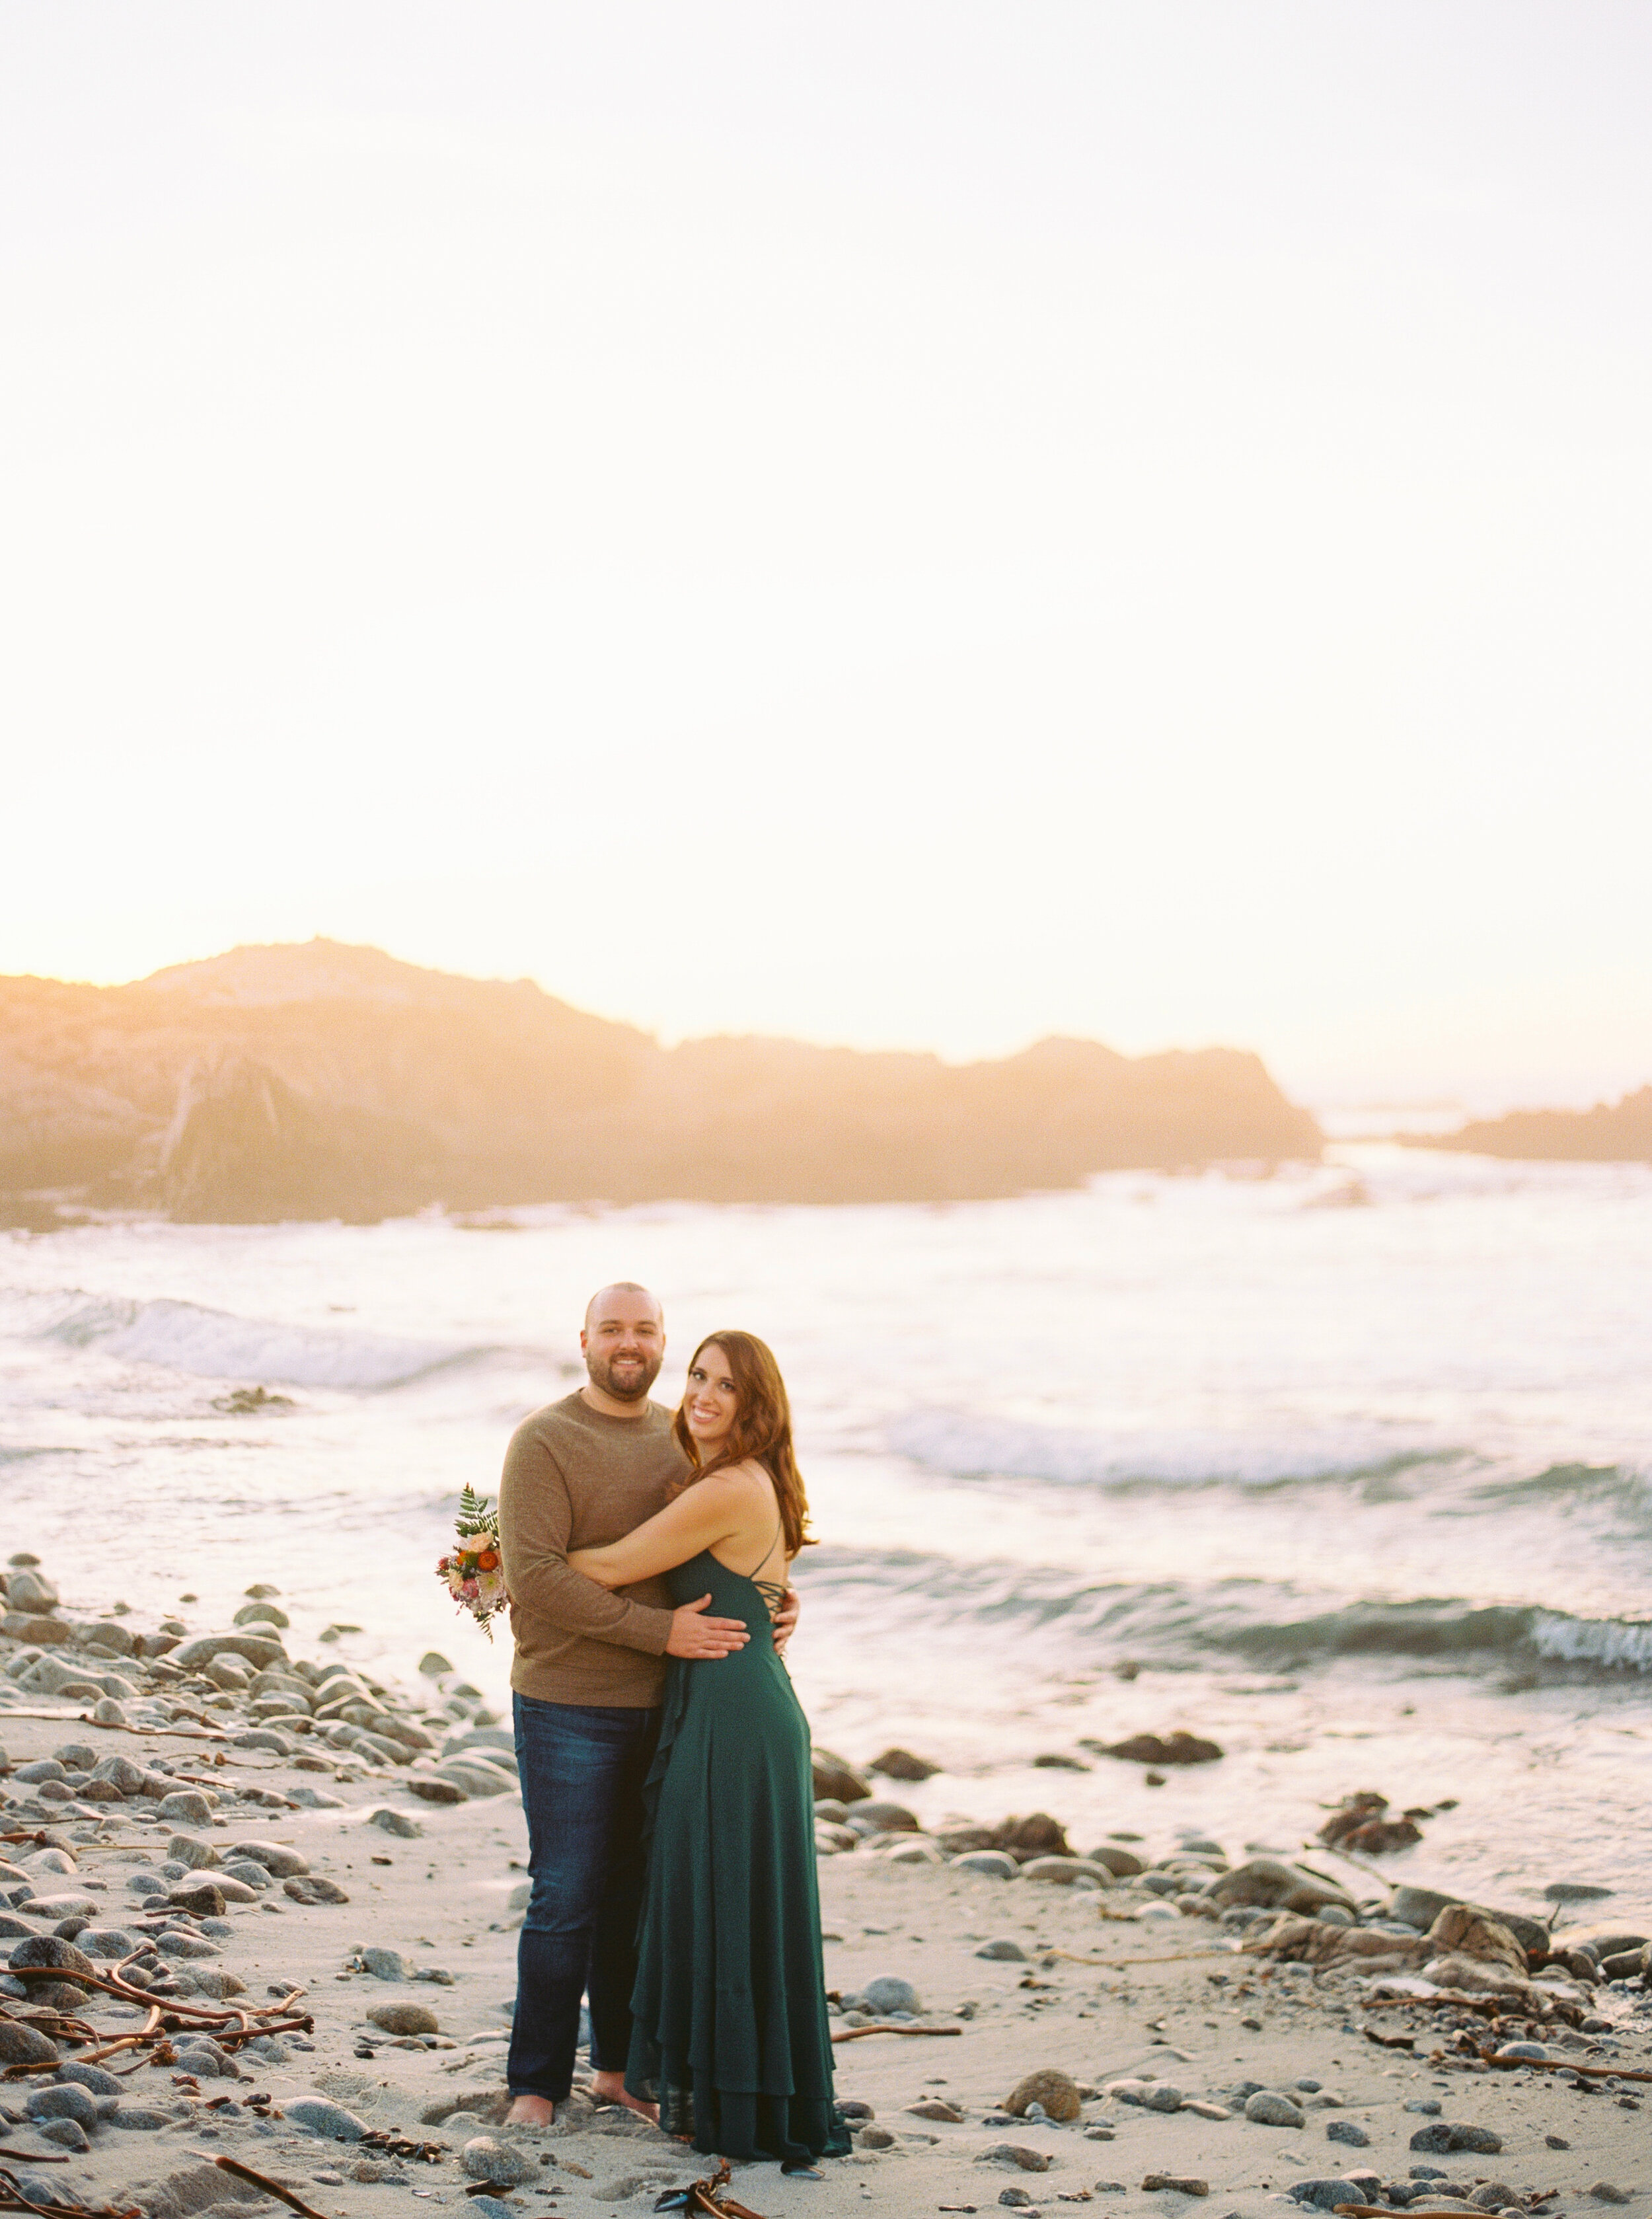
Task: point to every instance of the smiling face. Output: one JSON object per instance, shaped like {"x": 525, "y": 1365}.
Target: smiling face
{"x": 710, "y": 1401}
{"x": 624, "y": 1342}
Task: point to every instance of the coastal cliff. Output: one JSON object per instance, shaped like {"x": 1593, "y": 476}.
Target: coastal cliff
{"x": 325, "y": 1081}
{"x": 1610, "y": 1133}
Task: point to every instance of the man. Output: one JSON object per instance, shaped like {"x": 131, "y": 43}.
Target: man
{"x": 587, "y": 1680}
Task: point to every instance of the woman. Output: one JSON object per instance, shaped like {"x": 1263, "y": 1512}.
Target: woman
{"x": 729, "y": 2035}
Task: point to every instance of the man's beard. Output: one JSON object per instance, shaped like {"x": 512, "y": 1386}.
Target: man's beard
{"x": 629, "y": 1386}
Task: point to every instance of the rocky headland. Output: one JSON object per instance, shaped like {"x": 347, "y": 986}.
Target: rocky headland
{"x": 323, "y": 1081}
{"x": 259, "y": 1920}
{"x": 1612, "y": 1133}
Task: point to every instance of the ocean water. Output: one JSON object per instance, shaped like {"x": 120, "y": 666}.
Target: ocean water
{"x": 1349, "y": 1466}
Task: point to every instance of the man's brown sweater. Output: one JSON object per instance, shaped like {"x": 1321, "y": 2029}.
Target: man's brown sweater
{"x": 576, "y": 1478}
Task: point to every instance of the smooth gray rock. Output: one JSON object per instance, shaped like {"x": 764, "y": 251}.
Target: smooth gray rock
{"x": 1006, "y": 1952}
{"x": 92, "y": 2077}
{"x": 49, "y": 1950}
{"x": 186, "y": 1807}
{"x": 1161, "y": 2096}
{"x": 1015, "y": 2153}
{"x": 64, "y": 2101}
{"x": 395, "y": 1822}
{"x": 266, "y": 1737}
{"x": 1325, "y": 2195}
{"x": 69, "y": 1905}
{"x": 136, "y": 2119}
{"x": 1268, "y": 2107}
{"x": 67, "y": 2134}
{"x": 1419, "y": 1906}
{"x": 888, "y": 1994}
{"x": 30, "y": 1591}
{"x": 174, "y": 1942}
{"x": 485, "y": 2157}
{"x": 430, "y": 1787}
{"x": 120, "y": 1772}
{"x": 257, "y": 1649}
{"x": 275, "y": 1857}
{"x": 385, "y": 1964}
{"x": 331, "y": 2121}
{"x": 1443, "y": 2135}
{"x": 475, "y": 1777}
{"x": 261, "y": 1612}
{"x": 188, "y": 1855}
{"x": 1348, "y": 2131}
{"x": 991, "y": 1864}
{"x": 42, "y": 1768}
{"x": 108, "y": 1944}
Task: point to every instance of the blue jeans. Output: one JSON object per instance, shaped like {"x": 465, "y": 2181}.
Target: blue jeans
{"x": 582, "y": 1768}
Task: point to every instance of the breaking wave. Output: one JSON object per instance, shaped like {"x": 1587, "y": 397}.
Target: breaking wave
{"x": 1266, "y": 1621}
{"x": 210, "y": 1344}
{"x": 970, "y": 1447}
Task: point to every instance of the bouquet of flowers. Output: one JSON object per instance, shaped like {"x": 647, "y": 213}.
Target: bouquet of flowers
{"x": 475, "y": 1575}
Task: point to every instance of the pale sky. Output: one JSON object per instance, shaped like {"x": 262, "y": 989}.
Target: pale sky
{"x": 908, "y": 524}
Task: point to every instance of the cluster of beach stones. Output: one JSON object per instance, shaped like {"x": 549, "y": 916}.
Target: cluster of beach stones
{"x": 1269, "y": 1898}
{"x": 324, "y": 1717}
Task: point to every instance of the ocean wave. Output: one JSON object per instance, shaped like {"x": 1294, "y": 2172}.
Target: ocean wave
{"x": 1619, "y": 1644}
{"x": 967, "y": 1446}
{"x": 210, "y": 1344}
{"x": 1621, "y": 1486}
{"x": 1187, "y": 1621}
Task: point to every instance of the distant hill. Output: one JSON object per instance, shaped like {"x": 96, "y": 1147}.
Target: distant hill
{"x": 1614, "y": 1132}
{"x": 324, "y": 1081}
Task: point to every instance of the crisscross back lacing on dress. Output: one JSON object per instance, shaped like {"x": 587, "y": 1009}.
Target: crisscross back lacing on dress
{"x": 771, "y": 1591}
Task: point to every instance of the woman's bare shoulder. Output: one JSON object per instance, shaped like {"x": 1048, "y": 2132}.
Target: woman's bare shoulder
{"x": 749, "y": 1478}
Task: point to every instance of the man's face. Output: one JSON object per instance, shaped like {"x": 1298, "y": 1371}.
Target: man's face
{"x": 624, "y": 1344}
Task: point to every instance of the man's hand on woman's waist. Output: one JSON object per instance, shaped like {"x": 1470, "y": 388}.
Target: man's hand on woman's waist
{"x": 695, "y": 1635}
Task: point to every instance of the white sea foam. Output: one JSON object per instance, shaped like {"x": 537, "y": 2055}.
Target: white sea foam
{"x": 214, "y": 1345}
{"x": 1615, "y": 1641}
{"x": 969, "y": 1445}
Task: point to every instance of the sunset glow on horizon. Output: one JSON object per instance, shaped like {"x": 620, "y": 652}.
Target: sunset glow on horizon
{"x": 908, "y": 526}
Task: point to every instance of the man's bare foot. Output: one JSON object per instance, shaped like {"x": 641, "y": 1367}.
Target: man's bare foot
{"x": 531, "y": 2112}
{"x": 610, "y": 2088}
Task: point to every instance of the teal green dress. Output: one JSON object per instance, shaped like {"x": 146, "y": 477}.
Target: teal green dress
{"x": 729, "y": 2034}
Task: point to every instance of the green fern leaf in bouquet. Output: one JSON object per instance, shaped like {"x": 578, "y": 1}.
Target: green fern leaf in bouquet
{"x": 475, "y": 1516}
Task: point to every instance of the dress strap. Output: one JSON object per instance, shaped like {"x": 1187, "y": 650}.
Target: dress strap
{"x": 771, "y": 1591}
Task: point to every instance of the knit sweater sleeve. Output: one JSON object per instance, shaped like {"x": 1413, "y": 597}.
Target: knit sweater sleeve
{"x": 536, "y": 1519}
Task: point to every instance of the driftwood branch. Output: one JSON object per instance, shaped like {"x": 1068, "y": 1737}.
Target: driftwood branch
{"x": 232, "y": 2165}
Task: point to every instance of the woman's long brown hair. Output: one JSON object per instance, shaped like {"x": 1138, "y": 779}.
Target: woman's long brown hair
{"x": 762, "y": 1431}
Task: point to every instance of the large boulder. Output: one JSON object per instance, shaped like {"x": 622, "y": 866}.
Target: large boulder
{"x": 838, "y": 1779}
{"x": 1178, "y": 1747}
{"x": 257, "y": 1649}
{"x": 1038, "y": 1835}
{"x": 1461, "y": 1930}
{"x": 901, "y": 1764}
{"x": 1269, "y": 1884}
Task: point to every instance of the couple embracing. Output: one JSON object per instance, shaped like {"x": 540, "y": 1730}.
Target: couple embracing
{"x": 664, "y": 1758}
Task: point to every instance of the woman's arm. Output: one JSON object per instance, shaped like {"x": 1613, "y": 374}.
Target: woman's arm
{"x": 709, "y": 1512}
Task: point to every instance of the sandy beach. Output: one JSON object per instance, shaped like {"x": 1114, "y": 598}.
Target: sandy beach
{"x": 405, "y": 2060}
